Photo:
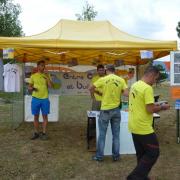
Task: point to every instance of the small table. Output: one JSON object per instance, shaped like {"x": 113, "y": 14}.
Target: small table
{"x": 126, "y": 142}
{"x": 155, "y": 116}
{"x": 91, "y": 127}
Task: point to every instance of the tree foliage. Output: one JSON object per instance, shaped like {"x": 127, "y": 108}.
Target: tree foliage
{"x": 88, "y": 13}
{"x": 178, "y": 29}
{"x": 163, "y": 75}
{"x": 9, "y": 23}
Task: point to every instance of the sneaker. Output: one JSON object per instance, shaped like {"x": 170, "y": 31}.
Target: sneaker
{"x": 95, "y": 158}
{"x": 35, "y": 136}
{"x": 43, "y": 136}
{"x": 115, "y": 158}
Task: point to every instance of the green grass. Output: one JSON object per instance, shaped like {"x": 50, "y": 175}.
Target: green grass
{"x": 65, "y": 156}
{"x": 11, "y": 109}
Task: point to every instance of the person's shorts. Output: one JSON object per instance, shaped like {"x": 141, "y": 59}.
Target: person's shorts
{"x": 40, "y": 104}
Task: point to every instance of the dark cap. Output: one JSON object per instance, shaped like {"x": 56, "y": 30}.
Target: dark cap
{"x": 110, "y": 67}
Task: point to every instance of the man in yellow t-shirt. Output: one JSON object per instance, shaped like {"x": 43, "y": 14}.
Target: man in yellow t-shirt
{"x": 141, "y": 109}
{"x": 38, "y": 85}
{"x": 96, "y": 98}
{"x": 112, "y": 87}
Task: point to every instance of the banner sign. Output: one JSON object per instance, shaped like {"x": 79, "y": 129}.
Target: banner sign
{"x": 175, "y": 92}
{"x": 70, "y": 83}
{"x": 146, "y": 54}
{"x": 8, "y": 53}
{"x": 75, "y": 83}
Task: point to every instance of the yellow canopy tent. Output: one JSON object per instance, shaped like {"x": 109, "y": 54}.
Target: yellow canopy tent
{"x": 86, "y": 43}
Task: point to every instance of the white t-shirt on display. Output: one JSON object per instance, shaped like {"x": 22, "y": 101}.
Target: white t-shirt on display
{"x": 12, "y": 73}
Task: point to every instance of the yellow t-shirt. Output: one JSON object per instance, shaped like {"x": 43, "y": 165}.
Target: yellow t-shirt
{"x": 140, "y": 120}
{"x": 112, "y": 87}
{"x": 94, "y": 79}
{"x": 40, "y": 83}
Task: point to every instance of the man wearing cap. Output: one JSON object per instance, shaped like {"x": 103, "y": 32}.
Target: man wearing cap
{"x": 112, "y": 87}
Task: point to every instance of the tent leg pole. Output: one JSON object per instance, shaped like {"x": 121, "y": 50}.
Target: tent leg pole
{"x": 137, "y": 72}
{"x": 177, "y": 126}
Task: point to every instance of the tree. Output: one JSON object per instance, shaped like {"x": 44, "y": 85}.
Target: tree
{"x": 9, "y": 23}
{"x": 88, "y": 13}
{"x": 178, "y": 29}
{"x": 162, "y": 75}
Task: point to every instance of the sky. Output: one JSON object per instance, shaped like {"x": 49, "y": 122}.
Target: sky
{"x": 150, "y": 19}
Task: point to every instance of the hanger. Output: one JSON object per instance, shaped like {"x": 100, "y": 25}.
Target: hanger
{"x": 9, "y": 61}
{"x": 12, "y": 61}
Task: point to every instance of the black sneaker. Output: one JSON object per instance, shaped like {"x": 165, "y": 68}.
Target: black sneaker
{"x": 43, "y": 136}
{"x": 95, "y": 158}
{"x": 115, "y": 159}
{"x": 35, "y": 136}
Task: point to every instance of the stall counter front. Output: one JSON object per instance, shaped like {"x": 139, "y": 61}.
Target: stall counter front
{"x": 126, "y": 142}
{"x": 54, "y": 109}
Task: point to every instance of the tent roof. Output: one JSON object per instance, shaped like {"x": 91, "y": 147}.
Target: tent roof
{"x": 88, "y": 42}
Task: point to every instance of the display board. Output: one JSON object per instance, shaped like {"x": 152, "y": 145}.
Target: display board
{"x": 175, "y": 68}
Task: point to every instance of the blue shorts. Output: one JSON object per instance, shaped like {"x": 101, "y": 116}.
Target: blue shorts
{"x": 40, "y": 104}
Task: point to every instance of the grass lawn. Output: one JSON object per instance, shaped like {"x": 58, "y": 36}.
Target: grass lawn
{"x": 11, "y": 109}
{"x": 65, "y": 156}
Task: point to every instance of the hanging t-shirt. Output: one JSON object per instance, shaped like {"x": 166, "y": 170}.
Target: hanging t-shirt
{"x": 1, "y": 75}
{"x": 12, "y": 74}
